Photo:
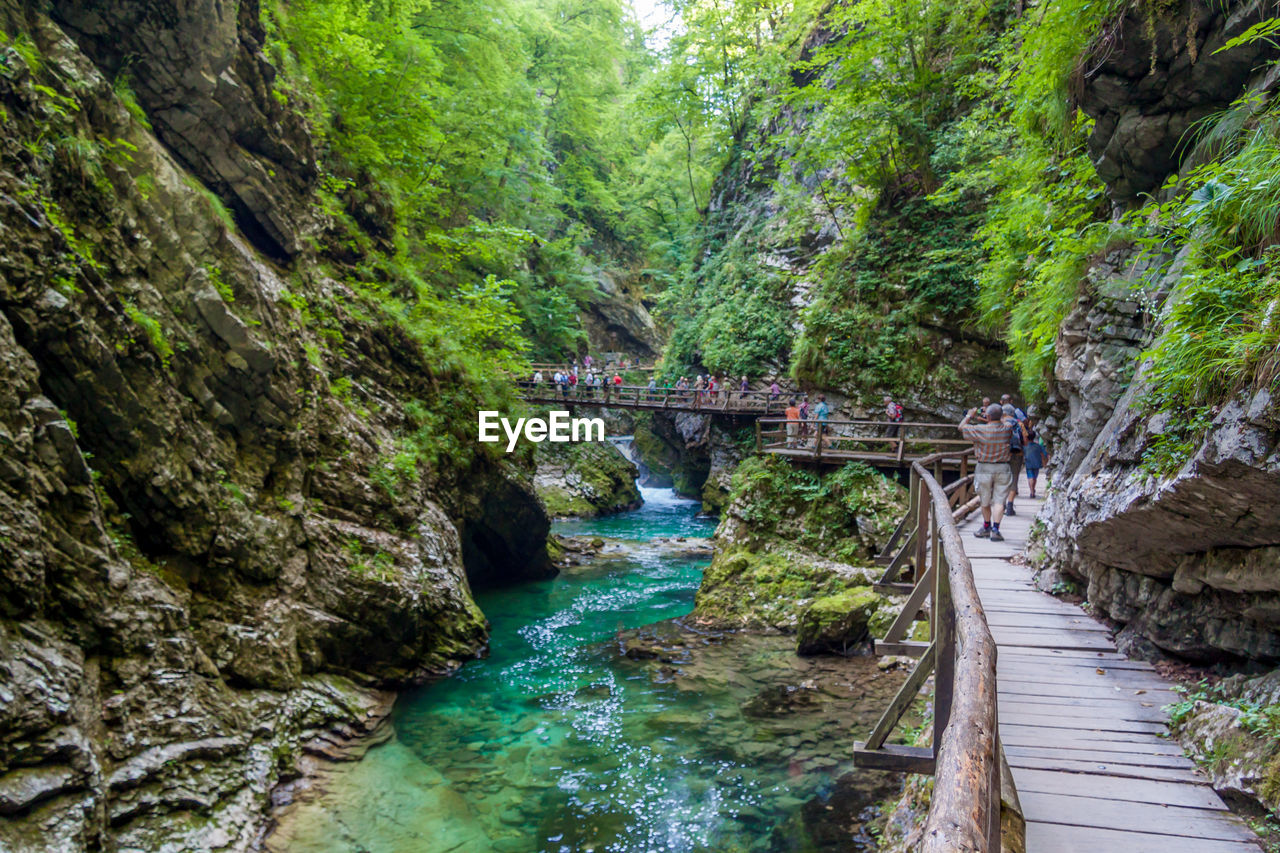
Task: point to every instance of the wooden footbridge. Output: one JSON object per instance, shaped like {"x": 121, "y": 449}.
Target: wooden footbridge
{"x": 1043, "y": 732}
{"x": 881, "y": 443}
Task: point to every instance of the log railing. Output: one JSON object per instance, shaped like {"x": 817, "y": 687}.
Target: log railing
{"x": 830, "y": 440}
{"x": 965, "y": 756}
{"x": 641, "y": 397}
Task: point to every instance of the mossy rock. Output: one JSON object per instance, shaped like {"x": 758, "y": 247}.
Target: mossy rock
{"x": 584, "y": 479}
{"x": 743, "y": 588}
{"x": 847, "y": 514}
{"x": 837, "y": 623}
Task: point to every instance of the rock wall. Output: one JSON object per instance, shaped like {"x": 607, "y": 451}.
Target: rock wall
{"x": 695, "y": 455}
{"x": 201, "y": 567}
{"x": 1184, "y": 559}
{"x": 585, "y": 479}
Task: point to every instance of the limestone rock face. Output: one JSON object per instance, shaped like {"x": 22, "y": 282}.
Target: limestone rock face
{"x": 199, "y": 71}
{"x": 1187, "y": 558}
{"x": 1156, "y": 74}
{"x": 585, "y": 479}
{"x": 618, "y": 321}
{"x": 1184, "y": 558}
{"x": 1230, "y": 731}
{"x": 204, "y": 563}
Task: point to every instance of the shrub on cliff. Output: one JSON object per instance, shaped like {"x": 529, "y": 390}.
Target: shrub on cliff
{"x": 844, "y": 515}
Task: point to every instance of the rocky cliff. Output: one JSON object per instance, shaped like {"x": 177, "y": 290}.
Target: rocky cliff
{"x": 1179, "y": 547}
{"x": 585, "y": 479}
{"x": 212, "y": 548}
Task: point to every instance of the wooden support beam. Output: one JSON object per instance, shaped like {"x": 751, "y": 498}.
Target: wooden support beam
{"x": 896, "y": 757}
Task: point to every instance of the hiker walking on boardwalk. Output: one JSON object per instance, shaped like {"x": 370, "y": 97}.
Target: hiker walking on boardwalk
{"x": 991, "y": 475}
{"x": 742, "y": 388}
{"x": 793, "y": 422}
{"x": 1033, "y": 453}
{"x": 804, "y": 419}
{"x": 1010, "y": 412}
{"x": 893, "y": 412}
{"x": 775, "y": 391}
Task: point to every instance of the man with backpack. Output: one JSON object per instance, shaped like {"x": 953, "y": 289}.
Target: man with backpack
{"x": 893, "y": 412}
{"x": 991, "y": 473}
{"x": 1010, "y": 414}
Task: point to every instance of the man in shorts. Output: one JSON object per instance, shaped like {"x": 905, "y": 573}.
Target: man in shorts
{"x": 991, "y": 475}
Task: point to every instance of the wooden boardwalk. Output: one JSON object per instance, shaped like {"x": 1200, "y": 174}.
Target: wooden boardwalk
{"x": 1081, "y": 724}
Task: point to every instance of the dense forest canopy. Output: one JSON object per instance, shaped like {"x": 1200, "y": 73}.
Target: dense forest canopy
{"x": 524, "y": 145}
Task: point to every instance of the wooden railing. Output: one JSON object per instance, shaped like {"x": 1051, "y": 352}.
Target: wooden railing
{"x": 965, "y": 756}
{"x": 552, "y": 367}
{"x": 890, "y": 441}
{"x": 641, "y": 397}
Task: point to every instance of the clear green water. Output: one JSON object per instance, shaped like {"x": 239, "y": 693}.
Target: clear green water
{"x": 559, "y": 741}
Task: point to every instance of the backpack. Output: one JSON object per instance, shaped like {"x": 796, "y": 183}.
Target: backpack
{"x": 1015, "y": 438}
{"x": 897, "y": 412}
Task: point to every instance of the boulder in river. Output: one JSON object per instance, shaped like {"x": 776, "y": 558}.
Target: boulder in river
{"x": 837, "y": 623}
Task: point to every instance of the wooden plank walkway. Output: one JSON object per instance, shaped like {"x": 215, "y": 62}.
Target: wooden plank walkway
{"x": 1081, "y": 724}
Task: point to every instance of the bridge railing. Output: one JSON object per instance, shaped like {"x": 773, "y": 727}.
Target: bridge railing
{"x": 890, "y": 440}
{"x": 964, "y": 757}
{"x": 640, "y": 397}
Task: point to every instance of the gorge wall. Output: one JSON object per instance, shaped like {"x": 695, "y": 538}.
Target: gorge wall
{"x": 1182, "y": 552}
{"x": 210, "y": 552}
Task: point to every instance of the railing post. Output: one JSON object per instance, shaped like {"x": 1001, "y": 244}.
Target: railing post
{"x": 759, "y": 437}
{"x": 944, "y": 640}
{"x": 922, "y": 529}
{"x": 817, "y": 444}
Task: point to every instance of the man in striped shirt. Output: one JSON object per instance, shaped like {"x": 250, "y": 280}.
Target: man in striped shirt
{"x": 992, "y": 477}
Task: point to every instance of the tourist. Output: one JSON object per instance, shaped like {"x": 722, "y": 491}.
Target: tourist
{"x": 775, "y": 390}
{"x": 820, "y": 413}
{"x": 537, "y": 377}
{"x": 653, "y": 387}
{"x": 617, "y": 380}
{"x": 1034, "y": 456}
{"x": 1009, "y": 413}
{"x": 982, "y": 410}
{"x": 793, "y": 422}
{"x": 743, "y": 386}
{"x": 1018, "y": 414}
{"x": 991, "y": 474}
{"x": 894, "y": 413}
{"x": 586, "y": 361}
{"x": 804, "y": 417}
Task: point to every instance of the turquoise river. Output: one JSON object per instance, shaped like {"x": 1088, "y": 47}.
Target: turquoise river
{"x": 601, "y": 721}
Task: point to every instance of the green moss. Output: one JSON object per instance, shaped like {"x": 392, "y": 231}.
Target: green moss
{"x": 837, "y": 622}
{"x": 153, "y": 330}
{"x": 743, "y": 588}
{"x": 584, "y": 479}
{"x": 843, "y": 515}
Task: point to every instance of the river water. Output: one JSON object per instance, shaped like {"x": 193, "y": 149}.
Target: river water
{"x": 581, "y": 733}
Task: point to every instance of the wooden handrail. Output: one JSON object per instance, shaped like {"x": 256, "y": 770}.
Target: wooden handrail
{"x": 965, "y": 757}
{"x": 964, "y": 814}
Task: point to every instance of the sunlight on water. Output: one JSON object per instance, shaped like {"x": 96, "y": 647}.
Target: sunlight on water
{"x": 559, "y": 741}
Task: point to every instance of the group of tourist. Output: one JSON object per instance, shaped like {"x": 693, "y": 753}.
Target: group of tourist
{"x": 569, "y": 381}
{"x": 804, "y": 421}
{"x": 584, "y": 380}
{"x": 1005, "y": 440}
